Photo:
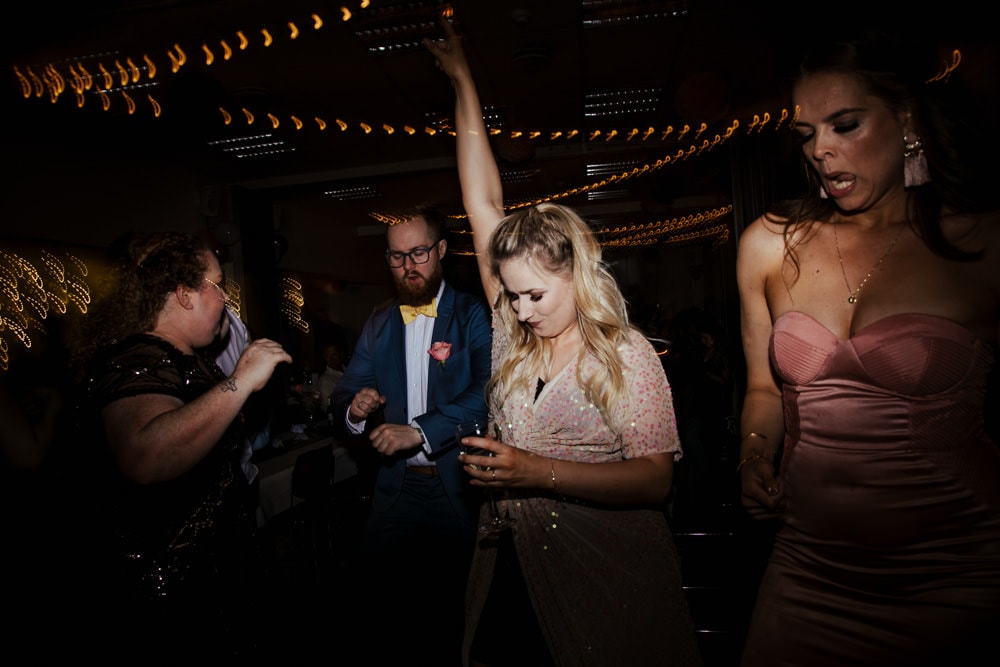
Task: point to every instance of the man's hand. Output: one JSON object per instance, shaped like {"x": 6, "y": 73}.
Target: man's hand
{"x": 388, "y": 439}
{"x": 365, "y": 403}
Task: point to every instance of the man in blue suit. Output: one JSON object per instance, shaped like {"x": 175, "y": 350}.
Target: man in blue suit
{"x": 419, "y": 368}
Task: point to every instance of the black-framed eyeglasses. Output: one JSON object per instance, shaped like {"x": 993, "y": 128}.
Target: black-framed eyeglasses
{"x": 419, "y": 255}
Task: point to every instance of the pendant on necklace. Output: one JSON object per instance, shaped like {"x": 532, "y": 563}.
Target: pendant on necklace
{"x": 852, "y": 297}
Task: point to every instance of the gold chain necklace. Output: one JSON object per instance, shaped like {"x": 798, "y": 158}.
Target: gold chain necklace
{"x": 852, "y": 296}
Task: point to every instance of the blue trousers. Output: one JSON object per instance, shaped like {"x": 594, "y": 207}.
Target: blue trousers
{"x": 416, "y": 557}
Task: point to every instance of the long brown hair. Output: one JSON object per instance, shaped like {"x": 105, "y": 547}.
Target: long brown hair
{"x": 902, "y": 75}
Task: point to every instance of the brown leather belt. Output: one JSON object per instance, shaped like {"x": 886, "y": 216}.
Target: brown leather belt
{"x": 430, "y": 471}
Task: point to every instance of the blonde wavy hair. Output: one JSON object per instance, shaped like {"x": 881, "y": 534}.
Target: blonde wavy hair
{"x": 554, "y": 238}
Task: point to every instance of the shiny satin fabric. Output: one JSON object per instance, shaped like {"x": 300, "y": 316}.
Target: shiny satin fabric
{"x": 889, "y": 553}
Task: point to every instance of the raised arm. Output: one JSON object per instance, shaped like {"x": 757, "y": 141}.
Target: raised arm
{"x": 482, "y": 192}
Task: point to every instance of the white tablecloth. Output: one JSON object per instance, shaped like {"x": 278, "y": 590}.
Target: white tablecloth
{"x": 275, "y": 475}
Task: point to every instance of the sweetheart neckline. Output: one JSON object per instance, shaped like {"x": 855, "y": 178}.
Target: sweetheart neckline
{"x": 938, "y": 318}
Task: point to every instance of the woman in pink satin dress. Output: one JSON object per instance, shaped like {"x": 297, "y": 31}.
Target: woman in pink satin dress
{"x": 870, "y": 310}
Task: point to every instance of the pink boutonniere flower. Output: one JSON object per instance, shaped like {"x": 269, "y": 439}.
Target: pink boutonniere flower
{"x": 440, "y": 351}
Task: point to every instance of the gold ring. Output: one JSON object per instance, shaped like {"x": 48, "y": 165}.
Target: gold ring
{"x": 494, "y": 478}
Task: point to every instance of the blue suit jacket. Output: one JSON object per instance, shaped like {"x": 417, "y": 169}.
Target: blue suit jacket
{"x": 455, "y": 390}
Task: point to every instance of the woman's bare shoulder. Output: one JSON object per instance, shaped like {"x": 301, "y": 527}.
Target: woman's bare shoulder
{"x": 763, "y": 238}
{"x": 766, "y": 229}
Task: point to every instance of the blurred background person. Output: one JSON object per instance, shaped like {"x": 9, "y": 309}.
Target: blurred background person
{"x": 702, "y": 380}
{"x": 332, "y": 358}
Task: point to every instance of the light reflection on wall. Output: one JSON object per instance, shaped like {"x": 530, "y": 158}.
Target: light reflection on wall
{"x": 234, "y": 295}
{"x": 292, "y": 300}
{"x": 37, "y": 284}
{"x": 34, "y": 286}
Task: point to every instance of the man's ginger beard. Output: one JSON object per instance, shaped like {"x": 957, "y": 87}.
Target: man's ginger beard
{"x": 421, "y": 293}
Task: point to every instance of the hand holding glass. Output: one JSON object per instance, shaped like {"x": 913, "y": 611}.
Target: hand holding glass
{"x": 497, "y": 523}
{"x": 472, "y": 430}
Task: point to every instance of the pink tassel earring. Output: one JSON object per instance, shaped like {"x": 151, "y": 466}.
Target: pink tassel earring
{"x": 915, "y": 170}
{"x": 822, "y": 192}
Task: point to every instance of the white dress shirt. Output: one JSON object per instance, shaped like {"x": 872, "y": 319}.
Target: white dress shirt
{"x": 419, "y": 336}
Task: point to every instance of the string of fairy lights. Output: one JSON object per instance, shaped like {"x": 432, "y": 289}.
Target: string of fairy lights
{"x": 684, "y": 229}
{"x": 111, "y": 75}
{"x": 697, "y": 226}
{"x": 128, "y": 76}
{"x": 28, "y": 294}
{"x": 699, "y": 145}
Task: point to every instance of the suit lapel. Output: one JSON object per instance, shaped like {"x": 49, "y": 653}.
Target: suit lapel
{"x": 442, "y": 325}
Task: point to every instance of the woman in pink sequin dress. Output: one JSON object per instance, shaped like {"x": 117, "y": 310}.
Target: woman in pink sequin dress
{"x": 589, "y": 574}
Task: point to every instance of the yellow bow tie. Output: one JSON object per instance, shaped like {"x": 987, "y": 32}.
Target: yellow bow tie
{"x": 410, "y": 312}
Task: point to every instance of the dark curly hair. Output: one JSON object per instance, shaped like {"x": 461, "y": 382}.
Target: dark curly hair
{"x": 143, "y": 270}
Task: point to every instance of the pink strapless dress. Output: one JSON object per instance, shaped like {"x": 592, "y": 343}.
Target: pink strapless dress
{"x": 889, "y": 552}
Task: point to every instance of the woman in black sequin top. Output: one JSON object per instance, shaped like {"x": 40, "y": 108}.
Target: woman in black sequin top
{"x": 168, "y": 425}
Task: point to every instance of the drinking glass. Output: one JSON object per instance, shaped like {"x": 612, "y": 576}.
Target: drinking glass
{"x": 496, "y": 523}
